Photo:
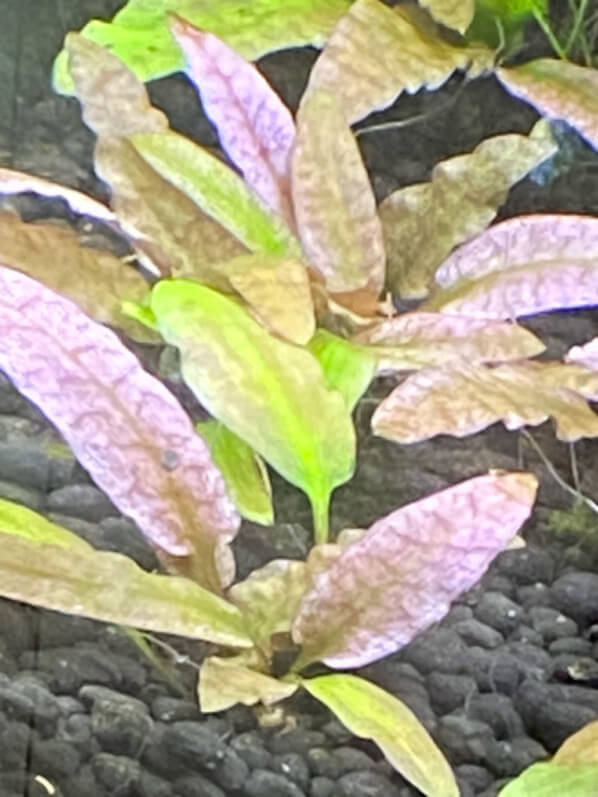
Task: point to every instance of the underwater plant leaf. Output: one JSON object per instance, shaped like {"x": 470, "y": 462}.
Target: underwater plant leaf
{"x": 580, "y": 748}
{"x": 270, "y": 596}
{"x": 419, "y": 557}
{"x": 25, "y": 247}
{"x": 140, "y": 34}
{"x": 218, "y": 191}
{"x": 244, "y": 472}
{"x": 348, "y": 367}
{"x": 415, "y": 340}
{"x": 557, "y": 89}
{"x": 123, "y": 425}
{"x": 272, "y": 394}
{"x": 456, "y": 14}
{"x": 372, "y": 713}
{"x": 336, "y": 217}
{"x": 462, "y": 399}
{"x": 278, "y": 290}
{"x": 423, "y": 223}
{"x": 255, "y": 128}
{"x": 374, "y": 54}
{"x": 547, "y": 779}
{"x": 225, "y": 682}
{"x": 524, "y": 265}
{"x": 586, "y": 355}
{"x": 28, "y": 525}
{"x": 13, "y": 181}
{"x": 112, "y": 588}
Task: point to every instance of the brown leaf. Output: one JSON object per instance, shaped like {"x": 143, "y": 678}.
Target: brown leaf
{"x": 334, "y": 203}
{"x": 72, "y": 269}
{"x": 374, "y": 54}
{"x": 421, "y": 340}
{"x": 456, "y": 14}
{"x": 423, "y": 223}
{"x": 462, "y": 399}
{"x": 580, "y": 747}
{"x": 524, "y": 265}
{"x": 558, "y": 89}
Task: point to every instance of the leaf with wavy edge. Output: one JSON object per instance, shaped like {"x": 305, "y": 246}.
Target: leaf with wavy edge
{"x": 547, "y": 779}
{"x": 123, "y": 425}
{"x": 13, "y": 181}
{"x": 524, "y": 265}
{"x": 334, "y": 203}
{"x": 557, "y": 89}
{"x": 586, "y": 355}
{"x": 139, "y": 34}
{"x": 255, "y": 127}
{"x": 25, "y": 247}
{"x": 423, "y": 223}
{"x": 417, "y": 340}
{"x": 269, "y": 598}
{"x": 462, "y": 399}
{"x": 243, "y": 470}
{"x": 349, "y": 367}
{"x": 580, "y": 748}
{"x": 419, "y": 557}
{"x": 371, "y": 713}
{"x": 278, "y": 290}
{"x": 111, "y": 588}
{"x": 218, "y": 191}
{"x": 375, "y": 53}
{"x": 225, "y": 682}
{"x": 269, "y": 392}
{"x": 456, "y": 14}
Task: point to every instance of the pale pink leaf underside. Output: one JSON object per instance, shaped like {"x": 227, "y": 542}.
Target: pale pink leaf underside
{"x": 528, "y": 264}
{"x": 586, "y": 355}
{"x": 256, "y": 129}
{"x": 403, "y": 573}
{"x": 558, "y": 89}
{"x": 334, "y": 203}
{"x": 123, "y": 425}
{"x": 462, "y": 399}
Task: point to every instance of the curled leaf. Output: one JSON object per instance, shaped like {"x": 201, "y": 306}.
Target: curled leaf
{"x": 462, "y": 399}
{"x": 255, "y": 128}
{"x": 334, "y": 203}
{"x": 371, "y": 713}
{"x": 123, "y": 425}
{"x": 419, "y": 557}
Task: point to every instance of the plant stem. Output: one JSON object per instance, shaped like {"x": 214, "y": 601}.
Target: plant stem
{"x": 320, "y": 510}
{"x": 549, "y": 33}
{"x": 577, "y": 22}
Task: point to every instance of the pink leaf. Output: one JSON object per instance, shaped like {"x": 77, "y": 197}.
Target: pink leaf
{"x": 123, "y": 425}
{"x": 403, "y": 573}
{"x": 255, "y": 127}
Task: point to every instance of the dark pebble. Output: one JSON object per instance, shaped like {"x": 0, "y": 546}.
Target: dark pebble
{"x": 193, "y": 746}
{"x": 231, "y": 773}
{"x": 150, "y": 785}
{"x": 174, "y": 709}
{"x": 463, "y": 739}
{"x": 456, "y": 614}
{"x": 575, "y": 645}
{"x": 120, "y": 726}
{"x": 299, "y": 741}
{"x": 475, "y": 776}
{"x": 197, "y": 786}
{"x": 71, "y": 668}
{"x": 576, "y": 595}
{"x": 475, "y": 633}
{"x": 358, "y": 784}
{"x": 533, "y": 662}
{"x": 250, "y": 746}
{"x": 526, "y": 566}
{"x": 262, "y": 783}
{"x": 53, "y": 758}
{"x": 524, "y": 633}
{"x": 115, "y": 772}
{"x": 322, "y": 762}
{"x": 555, "y": 722}
{"x": 508, "y": 758}
{"x": 496, "y": 711}
{"x": 499, "y": 612}
{"x": 449, "y": 692}
{"x": 293, "y": 767}
{"x": 499, "y": 583}
{"x": 534, "y": 595}
{"x": 492, "y": 672}
{"x": 321, "y": 787}
{"x": 82, "y": 500}
{"x": 551, "y": 623}
{"x": 351, "y": 760}
{"x": 439, "y": 650}
{"x": 552, "y": 712}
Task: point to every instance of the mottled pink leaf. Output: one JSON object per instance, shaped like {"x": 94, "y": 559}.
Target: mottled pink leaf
{"x": 256, "y": 129}
{"x": 334, "y": 203}
{"x": 525, "y": 265}
{"x": 558, "y": 89}
{"x": 123, "y": 425}
{"x": 403, "y": 573}
{"x": 586, "y": 355}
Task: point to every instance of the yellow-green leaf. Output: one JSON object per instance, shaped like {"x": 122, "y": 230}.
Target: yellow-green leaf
{"x": 547, "y": 779}
{"x": 225, "y": 682}
{"x": 372, "y": 713}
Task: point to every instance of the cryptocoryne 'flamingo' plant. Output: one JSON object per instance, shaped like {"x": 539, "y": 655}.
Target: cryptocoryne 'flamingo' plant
{"x": 254, "y": 275}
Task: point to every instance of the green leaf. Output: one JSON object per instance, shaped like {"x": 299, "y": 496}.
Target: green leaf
{"x": 244, "y": 472}
{"x": 139, "y": 34}
{"x": 349, "y": 367}
{"x": 25, "y": 523}
{"x": 372, "y": 713}
{"x": 107, "y": 586}
{"x": 548, "y": 779}
{"x": 217, "y": 190}
{"x": 271, "y": 393}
